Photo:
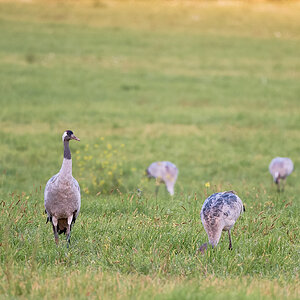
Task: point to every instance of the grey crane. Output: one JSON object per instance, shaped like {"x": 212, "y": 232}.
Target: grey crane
{"x": 280, "y": 168}
{"x": 62, "y": 194}
{"x": 164, "y": 172}
{"x": 219, "y": 213}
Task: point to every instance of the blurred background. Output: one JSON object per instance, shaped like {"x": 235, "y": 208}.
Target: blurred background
{"x": 212, "y": 86}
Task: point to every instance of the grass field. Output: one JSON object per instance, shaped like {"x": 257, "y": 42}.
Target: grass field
{"x": 211, "y": 86}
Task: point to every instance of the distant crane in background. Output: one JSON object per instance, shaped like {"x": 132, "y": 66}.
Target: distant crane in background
{"x": 280, "y": 168}
{"x": 164, "y": 172}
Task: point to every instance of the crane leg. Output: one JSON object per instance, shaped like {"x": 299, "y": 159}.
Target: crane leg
{"x": 278, "y": 187}
{"x": 283, "y": 185}
{"x": 230, "y": 244}
{"x": 68, "y": 232}
{"x": 156, "y": 191}
{"x": 54, "y": 226}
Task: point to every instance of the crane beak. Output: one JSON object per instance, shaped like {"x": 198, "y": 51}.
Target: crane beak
{"x": 202, "y": 248}
{"x": 73, "y": 137}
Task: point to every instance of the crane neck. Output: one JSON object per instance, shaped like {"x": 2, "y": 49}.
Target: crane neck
{"x": 67, "y": 152}
{"x": 66, "y": 167}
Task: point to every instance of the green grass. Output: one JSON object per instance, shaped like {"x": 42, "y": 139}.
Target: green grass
{"x": 212, "y": 87}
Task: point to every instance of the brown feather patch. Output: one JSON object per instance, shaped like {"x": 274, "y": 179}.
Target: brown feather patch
{"x": 62, "y": 225}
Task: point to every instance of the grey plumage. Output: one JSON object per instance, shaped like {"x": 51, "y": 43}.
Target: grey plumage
{"x": 280, "y": 168}
{"x": 219, "y": 213}
{"x": 164, "y": 172}
{"x": 62, "y": 194}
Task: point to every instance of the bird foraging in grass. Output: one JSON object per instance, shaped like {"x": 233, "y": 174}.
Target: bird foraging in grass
{"x": 280, "y": 168}
{"x": 219, "y": 213}
{"x": 62, "y": 194}
{"x": 164, "y": 172}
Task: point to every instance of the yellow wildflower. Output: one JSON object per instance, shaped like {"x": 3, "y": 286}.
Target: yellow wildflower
{"x": 207, "y": 184}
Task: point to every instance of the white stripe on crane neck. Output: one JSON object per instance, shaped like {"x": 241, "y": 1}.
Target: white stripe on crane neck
{"x": 64, "y": 135}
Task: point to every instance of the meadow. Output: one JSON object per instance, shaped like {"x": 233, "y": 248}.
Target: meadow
{"x": 212, "y": 86}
